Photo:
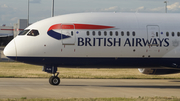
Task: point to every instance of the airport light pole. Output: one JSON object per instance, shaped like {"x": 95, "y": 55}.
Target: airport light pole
{"x": 52, "y": 13}
{"x": 28, "y": 15}
{"x": 165, "y": 6}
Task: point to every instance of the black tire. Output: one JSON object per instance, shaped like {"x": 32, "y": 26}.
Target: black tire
{"x": 54, "y": 80}
{"x": 50, "y": 79}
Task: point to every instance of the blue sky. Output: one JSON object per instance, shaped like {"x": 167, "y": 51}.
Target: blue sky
{"x": 12, "y": 10}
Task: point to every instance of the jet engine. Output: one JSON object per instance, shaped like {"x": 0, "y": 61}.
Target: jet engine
{"x": 152, "y": 71}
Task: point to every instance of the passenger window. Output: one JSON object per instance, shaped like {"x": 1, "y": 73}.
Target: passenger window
{"x": 178, "y": 34}
{"x": 99, "y": 33}
{"x": 167, "y": 33}
{"x": 23, "y": 32}
{"x": 116, "y": 33}
{"x": 105, "y": 33}
{"x": 133, "y": 33}
{"x": 172, "y": 33}
{"x": 111, "y": 33}
{"x": 93, "y": 33}
{"x": 128, "y": 33}
{"x": 122, "y": 33}
{"x": 71, "y": 33}
{"x": 156, "y": 34}
{"x": 33, "y": 33}
{"x": 87, "y": 33}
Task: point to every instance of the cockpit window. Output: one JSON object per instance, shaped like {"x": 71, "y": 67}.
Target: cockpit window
{"x": 23, "y": 32}
{"x": 33, "y": 33}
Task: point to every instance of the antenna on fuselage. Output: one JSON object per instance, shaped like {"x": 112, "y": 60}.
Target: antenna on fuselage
{"x": 52, "y": 13}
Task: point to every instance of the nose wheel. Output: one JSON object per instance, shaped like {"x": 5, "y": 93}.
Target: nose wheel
{"x": 54, "y": 80}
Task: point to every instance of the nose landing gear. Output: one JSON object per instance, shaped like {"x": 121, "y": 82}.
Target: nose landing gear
{"x": 53, "y": 80}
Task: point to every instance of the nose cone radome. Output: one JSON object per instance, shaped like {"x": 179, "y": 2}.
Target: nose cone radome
{"x": 10, "y": 49}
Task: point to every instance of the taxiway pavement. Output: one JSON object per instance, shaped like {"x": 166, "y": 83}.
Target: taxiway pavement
{"x": 88, "y": 88}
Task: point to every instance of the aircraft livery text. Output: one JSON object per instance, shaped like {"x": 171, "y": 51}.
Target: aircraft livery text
{"x": 130, "y": 42}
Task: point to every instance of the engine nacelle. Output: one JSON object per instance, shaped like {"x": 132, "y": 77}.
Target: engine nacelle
{"x": 151, "y": 71}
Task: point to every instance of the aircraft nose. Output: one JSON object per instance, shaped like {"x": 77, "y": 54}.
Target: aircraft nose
{"x": 10, "y": 50}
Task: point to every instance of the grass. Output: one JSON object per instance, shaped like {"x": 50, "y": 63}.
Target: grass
{"x": 21, "y": 70}
{"x": 100, "y": 99}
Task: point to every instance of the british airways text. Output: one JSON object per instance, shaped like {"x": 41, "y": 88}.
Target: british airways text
{"x": 130, "y": 42}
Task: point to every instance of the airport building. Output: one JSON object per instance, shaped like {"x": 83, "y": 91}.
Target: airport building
{"x": 7, "y": 33}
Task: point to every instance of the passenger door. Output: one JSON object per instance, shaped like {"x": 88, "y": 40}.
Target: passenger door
{"x": 153, "y": 31}
{"x": 68, "y": 34}
{"x": 153, "y": 35}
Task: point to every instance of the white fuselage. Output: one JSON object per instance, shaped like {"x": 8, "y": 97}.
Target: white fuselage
{"x": 100, "y": 39}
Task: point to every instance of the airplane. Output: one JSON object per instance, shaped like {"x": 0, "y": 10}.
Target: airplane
{"x": 148, "y": 41}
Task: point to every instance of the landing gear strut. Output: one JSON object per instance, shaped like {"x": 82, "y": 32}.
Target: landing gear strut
{"x": 54, "y": 79}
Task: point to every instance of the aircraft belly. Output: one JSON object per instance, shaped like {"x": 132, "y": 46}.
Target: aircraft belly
{"x": 105, "y": 62}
